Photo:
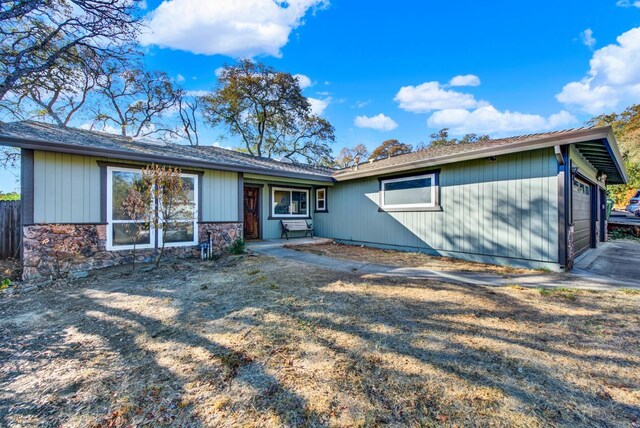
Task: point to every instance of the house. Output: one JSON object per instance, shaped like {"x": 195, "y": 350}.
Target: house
{"x": 535, "y": 201}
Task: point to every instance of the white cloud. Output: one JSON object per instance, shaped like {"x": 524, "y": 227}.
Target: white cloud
{"x": 318, "y": 106}
{"x": 360, "y": 104}
{"x": 628, "y": 3}
{"x": 235, "y": 28}
{"x": 197, "y": 93}
{"x": 218, "y": 71}
{"x": 379, "y": 122}
{"x": 587, "y": 38}
{"x": 613, "y": 81}
{"x": 465, "y": 80}
{"x": 179, "y": 78}
{"x": 488, "y": 120}
{"x": 432, "y": 96}
{"x": 303, "y": 80}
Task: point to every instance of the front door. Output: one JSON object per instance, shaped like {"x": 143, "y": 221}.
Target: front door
{"x": 251, "y": 213}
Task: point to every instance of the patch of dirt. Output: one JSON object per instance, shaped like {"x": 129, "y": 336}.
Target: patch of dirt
{"x": 11, "y": 269}
{"x": 365, "y": 254}
{"x": 257, "y": 341}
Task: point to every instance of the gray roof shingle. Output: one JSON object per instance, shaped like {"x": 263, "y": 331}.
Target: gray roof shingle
{"x": 441, "y": 151}
{"x": 56, "y": 137}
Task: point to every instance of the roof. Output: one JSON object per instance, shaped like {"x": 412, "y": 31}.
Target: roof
{"x": 43, "y": 136}
{"x": 597, "y": 145}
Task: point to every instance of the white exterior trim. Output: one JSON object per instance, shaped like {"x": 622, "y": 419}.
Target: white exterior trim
{"x": 288, "y": 189}
{"x": 323, "y": 199}
{"x": 194, "y": 220}
{"x": 152, "y": 231}
{"x": 111, "y": 221}
{"x": 432, "y": 204}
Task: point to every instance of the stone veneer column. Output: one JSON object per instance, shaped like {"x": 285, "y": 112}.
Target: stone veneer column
{"x": 222, "y": 234}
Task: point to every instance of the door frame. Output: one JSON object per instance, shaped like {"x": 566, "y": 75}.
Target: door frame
{"x": 259, "y": 206}
{"x": 602, "y": 209}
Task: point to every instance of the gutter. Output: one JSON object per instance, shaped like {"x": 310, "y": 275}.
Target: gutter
{"x": 143, "y": 157}
{"x": 550, "y": 141}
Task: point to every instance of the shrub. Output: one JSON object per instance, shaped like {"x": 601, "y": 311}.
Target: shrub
{"x": 237, "y": 247}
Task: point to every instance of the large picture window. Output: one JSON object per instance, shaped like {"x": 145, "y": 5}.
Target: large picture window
{"x": 121, "y": 228}
{"x": 286, "y": 202}
{"x": 406, "y": 193}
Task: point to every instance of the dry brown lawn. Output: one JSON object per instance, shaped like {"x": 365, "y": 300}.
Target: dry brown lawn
{"x": 256, "y": 341}
{"x": 365, "y": 254}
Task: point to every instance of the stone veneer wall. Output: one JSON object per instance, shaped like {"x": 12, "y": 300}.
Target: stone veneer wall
{"x": 52, "y": 250}
{"x": 570, "y": 249}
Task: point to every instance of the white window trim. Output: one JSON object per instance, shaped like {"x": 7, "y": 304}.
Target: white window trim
{"x": 432, "y": 204}
{"x": 152, "y": 231}
{"x": 111, "y": 221}
{"x": 288, "y": 189}
{"x": 194, "y": 220}
{"x": 324, "y": 199}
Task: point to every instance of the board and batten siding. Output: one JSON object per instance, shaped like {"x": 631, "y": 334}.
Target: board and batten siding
{"x": 67, "y": 190}
{"x": 505, "y": 210}
{"x": 220, "y": 196}
{"x": 271, "y": 228}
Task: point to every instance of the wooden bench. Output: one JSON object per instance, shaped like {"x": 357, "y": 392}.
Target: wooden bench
{"x": 295, "y": 226}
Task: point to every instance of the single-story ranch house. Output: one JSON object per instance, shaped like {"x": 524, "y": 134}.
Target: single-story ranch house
{"x": 534, "y": 200}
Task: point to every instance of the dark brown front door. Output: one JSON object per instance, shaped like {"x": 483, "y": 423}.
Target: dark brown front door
{"x": 251, "y": 213}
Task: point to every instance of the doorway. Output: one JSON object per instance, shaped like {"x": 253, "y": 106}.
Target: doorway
{"x": 251, "y": 216}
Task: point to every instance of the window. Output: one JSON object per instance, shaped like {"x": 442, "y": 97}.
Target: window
{"x": 183, "y": 229}
{"x": 321, "y": 199}
{"x": 289, "y": 202}
{"x": 121, "y": 227}
{"x": 408, "y": 193}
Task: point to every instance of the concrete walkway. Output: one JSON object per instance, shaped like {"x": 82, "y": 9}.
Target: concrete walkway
{"x": 581, "y": 280}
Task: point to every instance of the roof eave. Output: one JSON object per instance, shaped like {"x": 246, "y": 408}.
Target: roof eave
{"x": 548, "y": 141}
{"x": 611, "y": 144}
{"x": 49, "y": 146}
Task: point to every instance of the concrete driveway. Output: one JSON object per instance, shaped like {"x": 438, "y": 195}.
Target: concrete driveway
{"x": 618, "y": 259}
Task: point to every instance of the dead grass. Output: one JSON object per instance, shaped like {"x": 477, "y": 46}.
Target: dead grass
{"x": 255, "y": 341}
{"x": 406, "y": 259}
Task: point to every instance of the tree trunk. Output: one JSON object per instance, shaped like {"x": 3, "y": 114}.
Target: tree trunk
{"x": 161, "y": 248}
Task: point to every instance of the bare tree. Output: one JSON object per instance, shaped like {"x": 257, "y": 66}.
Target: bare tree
{"x": 351, "y": 156}
{"x": 62, "y": 95}
{"x": 171, "y": 197}
{"x": 187, "y": 127}
{"x": 134, "y": 99}
{"x": 43, "y": 35}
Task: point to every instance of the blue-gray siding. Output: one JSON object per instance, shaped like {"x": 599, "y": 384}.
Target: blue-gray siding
{"x": 271, "y": 228}
{"x": 67, "y": 190}
{"x": 502, "y": 209}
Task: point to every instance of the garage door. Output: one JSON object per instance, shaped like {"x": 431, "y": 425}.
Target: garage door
{"x": 581, "y": 216}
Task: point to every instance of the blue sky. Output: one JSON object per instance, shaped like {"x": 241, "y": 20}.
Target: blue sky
{"x": 381, "y": 70}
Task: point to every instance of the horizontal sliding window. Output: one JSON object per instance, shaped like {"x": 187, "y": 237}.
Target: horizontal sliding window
{"x": 289, "y": 202}
{"x": 409, "y": 192}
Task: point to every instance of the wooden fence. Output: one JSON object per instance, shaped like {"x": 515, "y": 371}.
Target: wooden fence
{"x": 10, "y": 229}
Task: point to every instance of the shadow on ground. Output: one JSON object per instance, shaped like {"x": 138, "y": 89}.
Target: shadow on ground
{"x": 267, "y": 342}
